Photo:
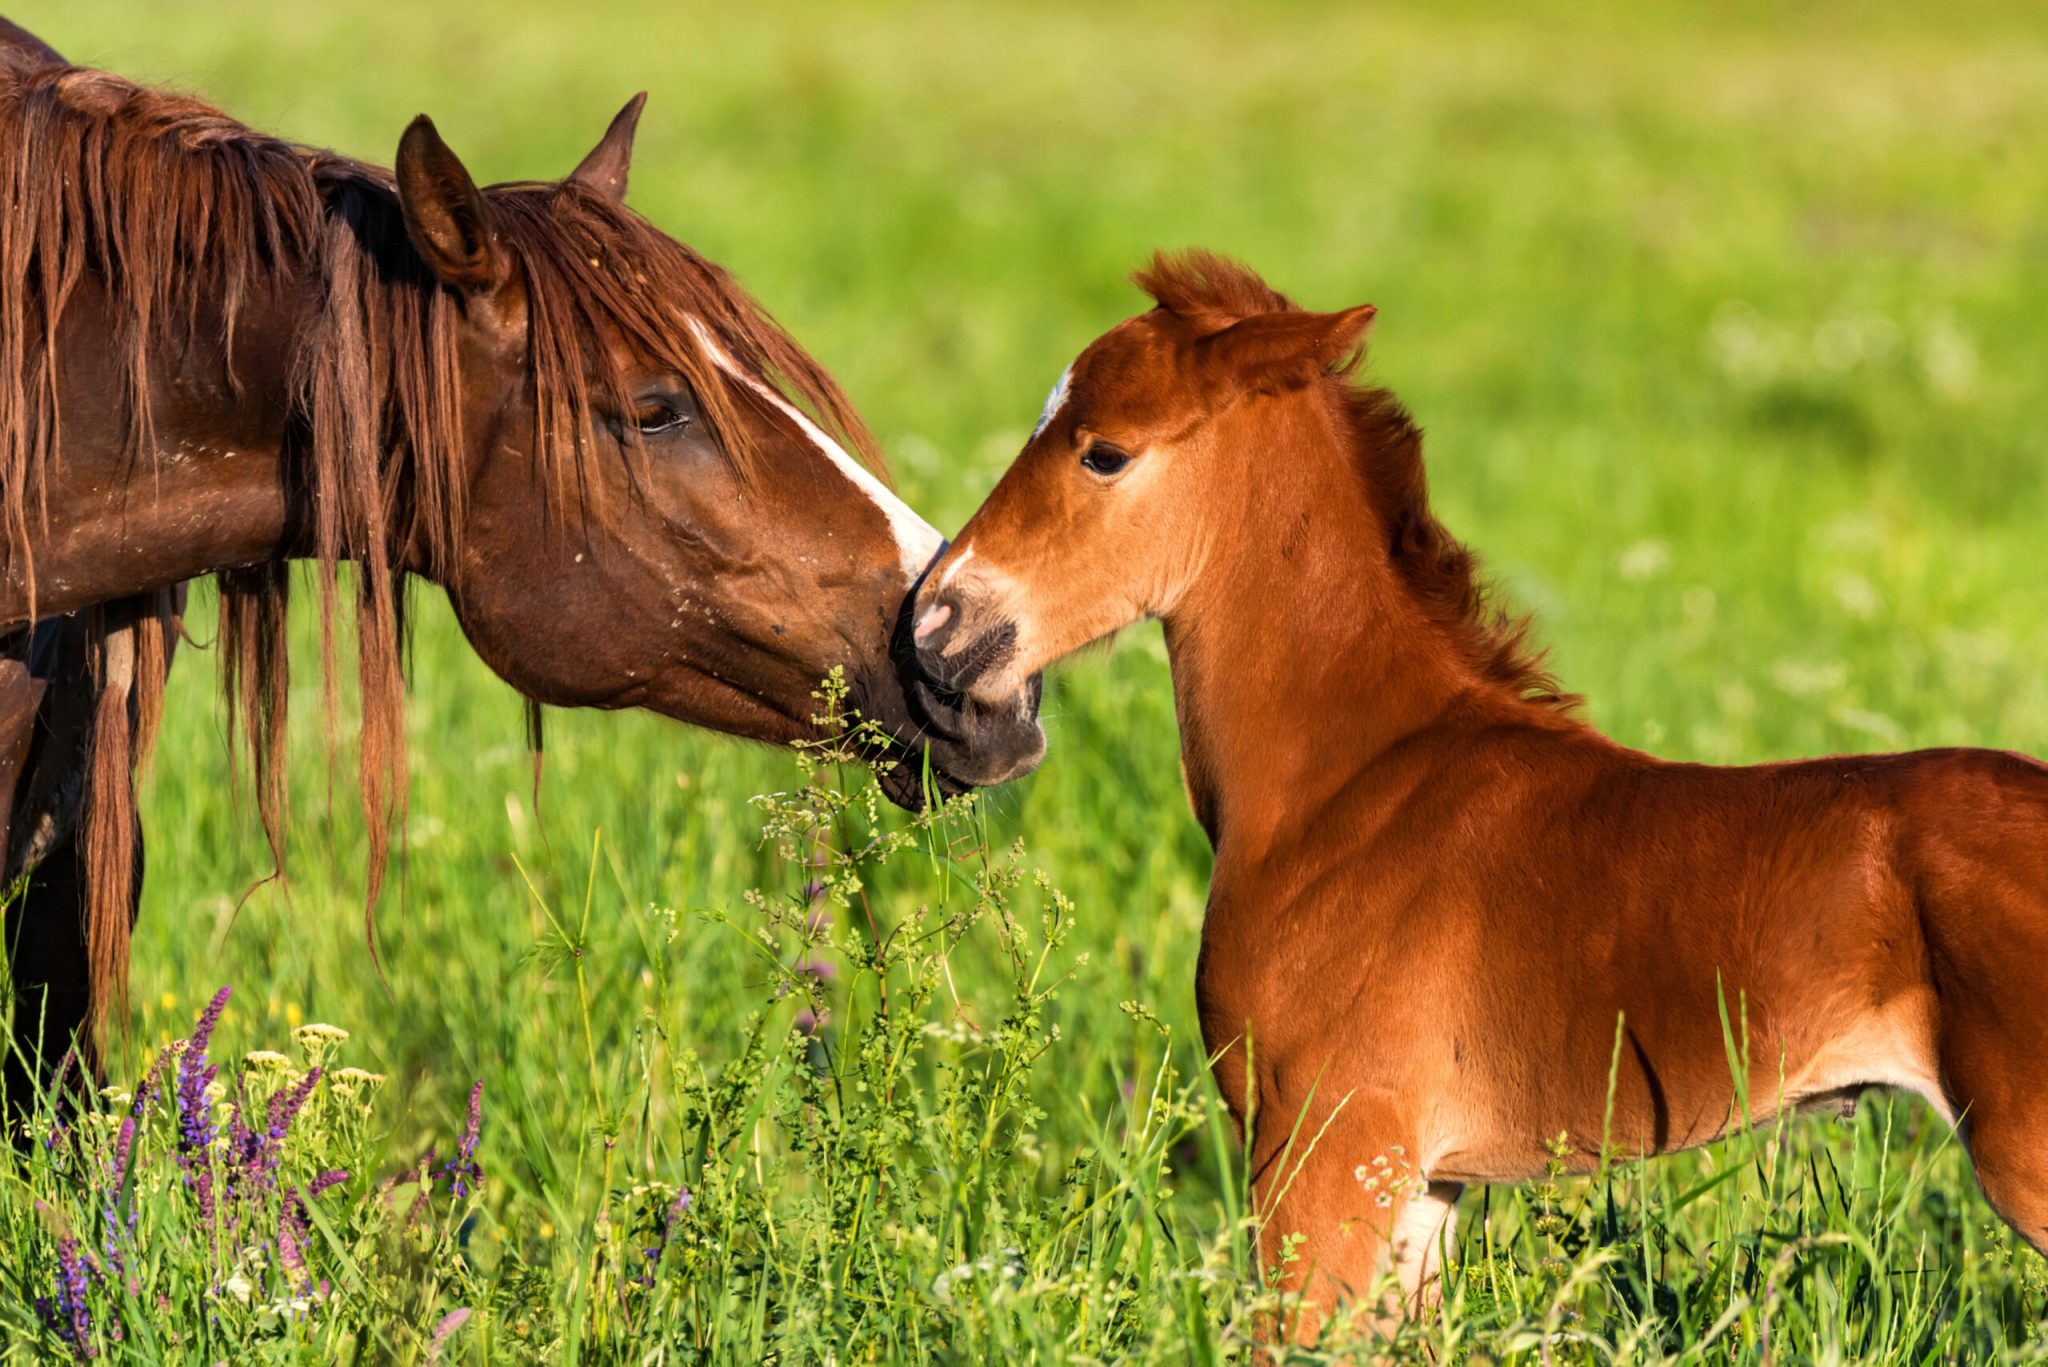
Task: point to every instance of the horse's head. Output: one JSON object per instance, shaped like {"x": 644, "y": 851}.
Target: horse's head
{"x": 1151, "y": 452}
{"x": 648, "y": 517}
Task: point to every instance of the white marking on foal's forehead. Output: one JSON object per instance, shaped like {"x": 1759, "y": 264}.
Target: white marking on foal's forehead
{"x": 959, "y": 561}
{"x": 1054, "y": 402}
{"x": 917, "y": 540}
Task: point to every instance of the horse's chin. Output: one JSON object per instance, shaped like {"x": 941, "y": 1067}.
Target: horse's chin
{"x": 902, "y": 780}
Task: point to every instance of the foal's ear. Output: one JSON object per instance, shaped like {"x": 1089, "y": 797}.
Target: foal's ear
{"x": 604, "y": 170}
{"x": 450, "y": 225}
{"x": 1269, "y": 345}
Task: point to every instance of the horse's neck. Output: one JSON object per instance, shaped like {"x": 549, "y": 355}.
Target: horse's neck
{"x": 207, "y": 494}
{"x": 1298, "y": 659}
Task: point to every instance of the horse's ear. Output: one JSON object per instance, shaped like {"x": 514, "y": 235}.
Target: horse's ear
{"x": 445, "y": 216}
{"x": 604, "y": 170}
{"x": 24, "y": 51}
{"x": 1266, "y": 345}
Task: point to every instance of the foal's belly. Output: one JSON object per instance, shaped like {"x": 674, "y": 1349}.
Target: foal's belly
{"x": 1474, "y": 1133}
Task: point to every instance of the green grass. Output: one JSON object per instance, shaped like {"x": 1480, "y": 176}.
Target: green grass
{"x": 1725, "y": 326}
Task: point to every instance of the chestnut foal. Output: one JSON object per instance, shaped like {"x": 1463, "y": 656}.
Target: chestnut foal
{"x": 1443, "y": 908}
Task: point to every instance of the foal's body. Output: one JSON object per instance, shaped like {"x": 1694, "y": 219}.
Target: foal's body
{"x": 1461, "y": 1005}
{"x": 1445, "y": 912}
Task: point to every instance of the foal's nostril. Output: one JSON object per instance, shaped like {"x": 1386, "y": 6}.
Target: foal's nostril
{"x": 934, "y": 619}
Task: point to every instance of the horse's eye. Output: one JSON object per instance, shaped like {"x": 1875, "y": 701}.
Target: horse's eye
{"x": 656, "y": 416}
{"x": 1104, "y": 459}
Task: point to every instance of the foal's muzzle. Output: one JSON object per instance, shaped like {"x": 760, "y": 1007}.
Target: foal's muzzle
{"x": 955, "y": 656}
{"x": 960, "y": 741}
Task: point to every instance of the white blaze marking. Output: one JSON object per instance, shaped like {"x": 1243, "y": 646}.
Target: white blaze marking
{"x": 954, "y": 568}
{"x": 916, "y": 539}
{"x": 1054, "y": 402}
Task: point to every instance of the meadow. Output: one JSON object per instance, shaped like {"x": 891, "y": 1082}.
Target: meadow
{"x": 1725, "y": 325}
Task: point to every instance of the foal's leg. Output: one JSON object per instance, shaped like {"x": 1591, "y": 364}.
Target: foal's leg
{"x": 1993, "y": 1047}
{"x": 1425, "y": 1231}
{"x": 1359, "y": 1209}
{"x": 1976, "y": 854}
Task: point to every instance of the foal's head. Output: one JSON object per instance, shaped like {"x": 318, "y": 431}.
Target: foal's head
{"x": 1164, "y": 439}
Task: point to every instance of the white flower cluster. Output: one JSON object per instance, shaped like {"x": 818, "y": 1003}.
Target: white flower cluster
{"x": 1389, "y": 1178}
{"x": 1011, "y": 1266}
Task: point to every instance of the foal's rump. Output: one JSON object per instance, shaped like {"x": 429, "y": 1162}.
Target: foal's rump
{"x": 1891, "y": 929}
{"x": 1856, "y": 921}
{"x": 1973, "y": 849}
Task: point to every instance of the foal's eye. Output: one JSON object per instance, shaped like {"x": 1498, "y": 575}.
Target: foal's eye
{"x": 653, "y": 417}
{"x": 1103, "y": 459}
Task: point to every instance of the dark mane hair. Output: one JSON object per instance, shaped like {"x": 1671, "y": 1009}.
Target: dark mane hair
{"x": 188, "y": 217}
{"x": 1439, "y": 573}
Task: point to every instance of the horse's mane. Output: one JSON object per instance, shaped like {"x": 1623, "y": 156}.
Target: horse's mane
{"x": 188, "y": 219}
{"x": 1436, "y": 569}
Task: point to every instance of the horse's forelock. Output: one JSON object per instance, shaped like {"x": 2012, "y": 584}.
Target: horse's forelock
{"x": 598, "y": 274}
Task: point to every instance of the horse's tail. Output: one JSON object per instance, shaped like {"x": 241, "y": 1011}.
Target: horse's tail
{"x": 131, "y": 658}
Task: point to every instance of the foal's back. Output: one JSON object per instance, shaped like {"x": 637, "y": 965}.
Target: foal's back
{"x": 1490, "y": 911}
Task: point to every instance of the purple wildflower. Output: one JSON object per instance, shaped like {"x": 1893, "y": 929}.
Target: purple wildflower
{"x": 74, "y": 1318}
{"x": 423, "y": 1174}
{"x": 195, "y": 1075}
{"x": 253, "y": 1154}
{"x": 146, "y": 1090}
{"x": 124, "y": 1149}
{"x": 824, "y": 970}
{"x": 291, "y": 1241}
{"x": 445, "y": 1330}
{"x": 285, "y": 1106}
{"x": 665, "y": 1228}
{"x": 295, "y": 1226}
{"x": 806, "y": 1022}
{"x": 465, "y": 1171}
{"x": 242, "y": 1142}
{"x": 202, "y": 1186}
{"x": 117, "y": 1173}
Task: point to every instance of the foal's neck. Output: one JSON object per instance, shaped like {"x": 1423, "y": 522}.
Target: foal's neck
{"x": 1298, "y": 655}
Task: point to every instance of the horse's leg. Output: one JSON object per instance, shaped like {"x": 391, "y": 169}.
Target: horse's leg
{"x": 51, "y": 975}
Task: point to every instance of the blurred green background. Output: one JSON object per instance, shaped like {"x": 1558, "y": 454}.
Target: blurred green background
{"x": 1726, "y": 325}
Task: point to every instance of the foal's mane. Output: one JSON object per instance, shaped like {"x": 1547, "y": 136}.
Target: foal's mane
{"x": 190, "y": 220}
{"x": 1212, "y": 292}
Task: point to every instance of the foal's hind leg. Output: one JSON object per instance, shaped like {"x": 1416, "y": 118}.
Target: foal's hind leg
{"x": 1995, "y": 1075}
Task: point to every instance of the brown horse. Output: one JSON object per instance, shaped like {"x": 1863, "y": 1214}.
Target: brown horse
{"x": 1443, "y": 907}
{"x": 221, "y": 352}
